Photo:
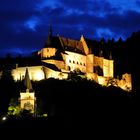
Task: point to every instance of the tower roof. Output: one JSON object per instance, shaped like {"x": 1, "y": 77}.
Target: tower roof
{"x": 27, "y": 81}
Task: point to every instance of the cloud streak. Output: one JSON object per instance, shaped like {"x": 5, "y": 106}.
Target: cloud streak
{"x": 24, "y": 24}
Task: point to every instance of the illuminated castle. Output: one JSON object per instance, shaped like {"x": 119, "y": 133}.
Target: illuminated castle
{"x": 60, "y": 56}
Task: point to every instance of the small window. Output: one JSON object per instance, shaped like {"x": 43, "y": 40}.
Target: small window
{"x": 69, "y": 61}
{"x": 77, "y": 63}
{"x": 84, "y": 64}
{"x": 80, "y": 63}
{"x": 73, "y": 62}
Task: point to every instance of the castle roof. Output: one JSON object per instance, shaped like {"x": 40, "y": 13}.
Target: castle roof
{"x": 54, "y": 43}
{"x": 27, "y": 81}
{"x": 50, "y": 66}
{"x": 93, "y": 46}
{"x": 72, "y": 45}
{"x": 57, "y": 56}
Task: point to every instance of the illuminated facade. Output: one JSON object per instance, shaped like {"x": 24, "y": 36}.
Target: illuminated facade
{"x": 61, "y": 55}
{"x": 35, "y": 73}
{"x": 27, "y": 98}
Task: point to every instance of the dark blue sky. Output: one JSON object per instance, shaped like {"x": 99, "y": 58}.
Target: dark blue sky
{"x": 24, "y": 23}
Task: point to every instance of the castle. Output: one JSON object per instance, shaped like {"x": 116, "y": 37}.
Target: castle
{"x": 60, "y": 56}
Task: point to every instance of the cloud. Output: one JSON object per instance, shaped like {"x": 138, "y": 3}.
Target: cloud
{"x": 24, "y": 23}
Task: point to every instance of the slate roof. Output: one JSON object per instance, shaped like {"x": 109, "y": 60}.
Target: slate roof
{"x": 51, "y": 66}
{"x": 72, "y": 45}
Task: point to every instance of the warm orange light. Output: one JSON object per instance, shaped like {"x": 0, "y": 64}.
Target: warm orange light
{"x": 38, "y": 76}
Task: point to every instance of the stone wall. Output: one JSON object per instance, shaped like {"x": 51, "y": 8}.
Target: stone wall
{"x": 36, "y": 73}
{"x": 108, "y": 69}
{"x": 75, "y": 61}
{"x": 126, "y": 82}
{"x": 27, "y": 101}
{"x": 49, "y": 73}
{"x": 90, "y": 63}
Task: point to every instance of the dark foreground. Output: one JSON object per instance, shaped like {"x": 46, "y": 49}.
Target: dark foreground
{"x": 98, "y": 113}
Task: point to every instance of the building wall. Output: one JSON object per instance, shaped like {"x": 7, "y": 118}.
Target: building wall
{"x": 92, "y": 76}
{"x": 108, "y": 68}
{"x": 98, "y": 65}
{"x": 102, "y": 80}
{"x": 90, "y": 63}
{"x": 49, "y": 73}
{"x": 75, "y": 61}
{"x": 98, "y": 61}
{"x": 126, "y": 82}
{"x": 36, "y": 73}
{"x": 27, "y": 101}
{"x": 48, "y": 52}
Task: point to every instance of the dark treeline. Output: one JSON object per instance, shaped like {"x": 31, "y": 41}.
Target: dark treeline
{"x": 72, "y": 101}
{"x": 125, "y": 54}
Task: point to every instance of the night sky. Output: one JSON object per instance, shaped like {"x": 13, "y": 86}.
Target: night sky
{"x": 24, "y": 23}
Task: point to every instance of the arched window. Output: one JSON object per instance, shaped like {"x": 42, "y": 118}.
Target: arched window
{"x": 73, "y": 62}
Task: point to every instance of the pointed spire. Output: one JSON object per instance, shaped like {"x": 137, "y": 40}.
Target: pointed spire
{"x": 49, "y": 36}
{"x": 90, "y": 50}
{"x": 110, "y": 55}
{"x": 101, "y": 53}
{"x": 27, "y": 81}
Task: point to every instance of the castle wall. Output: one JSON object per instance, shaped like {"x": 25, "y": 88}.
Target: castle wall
{"x": 27, "y": 101}
{"x": 98, "y": 65}
{"x": 98, "y": 61}
{"x": 102, "y": 80}
{"x": 90, "y": 63}
{"x": 49, "y": 73}
{"x": 108, "y": 68}
{"x": 75, "y": 61}
{"x": 36, "y": 73}
{"x": 92, "y": 76}
{"x": 57, "y": 63}
{"x": 111, "y": 66}
{"x": 48, "y": 52}
{"x": 126, "y": 82}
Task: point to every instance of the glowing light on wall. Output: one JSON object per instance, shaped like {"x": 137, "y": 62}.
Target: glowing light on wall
{"x": 39, "y": 76}
{"x": 35, "y": 72}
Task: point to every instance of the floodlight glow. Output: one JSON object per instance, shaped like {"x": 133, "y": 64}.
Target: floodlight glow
{"x": 4, "y": 118}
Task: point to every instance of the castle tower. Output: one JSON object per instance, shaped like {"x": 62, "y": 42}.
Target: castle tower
{"x": 27, "y": 98}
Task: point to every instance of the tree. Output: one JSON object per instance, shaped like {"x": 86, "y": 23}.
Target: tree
{"x": 13, "y": 109}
